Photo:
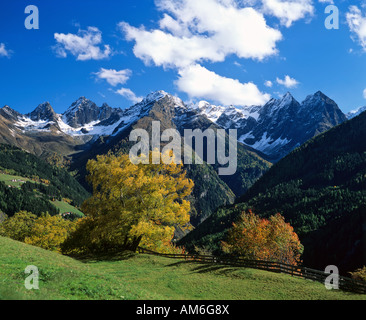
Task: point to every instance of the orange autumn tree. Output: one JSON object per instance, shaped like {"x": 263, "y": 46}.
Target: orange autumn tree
{"x": 257, "y": 238}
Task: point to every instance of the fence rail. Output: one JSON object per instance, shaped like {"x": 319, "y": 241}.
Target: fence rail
{"x": 346, "y": 284}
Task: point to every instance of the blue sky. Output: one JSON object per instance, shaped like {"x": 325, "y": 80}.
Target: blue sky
{"x": 224, "y": 51}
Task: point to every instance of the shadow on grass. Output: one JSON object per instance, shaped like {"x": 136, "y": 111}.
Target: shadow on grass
{"x": 202, "y": 267}
{"x": 109, "y": 256}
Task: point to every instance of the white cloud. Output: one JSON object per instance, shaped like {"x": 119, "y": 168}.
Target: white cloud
{"x": 114, "y": 77}
{"x": 198, "y": 82}
{"x": 357, "y": 24}
{"x": 288, "y": 11}
{"x": 129, "y": 95}
{"x": 326, "y": 1}
{"x": 288, "y": 82}
{"x": 85, "y": 45}
{"x": 364, "y": 93}
{"x": 268, "y": 84}
{"x": 164, "y": 49}
{"x": 3, "y": 51}
{"x": 207, "y": 30}
{"x": 192, "y": 32}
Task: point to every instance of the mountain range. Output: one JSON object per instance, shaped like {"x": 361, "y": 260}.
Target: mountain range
{"x": 265, "y": 135}
{"x": 274, "y": 129}
{"x": 305, "y": 160}
{"x": 279, "y": 126}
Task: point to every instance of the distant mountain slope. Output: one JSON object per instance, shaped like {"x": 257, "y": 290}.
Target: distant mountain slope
{"x": 85, "y": 130}
{"x": 44, "y": 183}
{"x": 316, "y": 185}
{"x": 354, "y": 113}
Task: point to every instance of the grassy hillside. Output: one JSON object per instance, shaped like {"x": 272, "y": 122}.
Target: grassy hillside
{"x": 138, "y": 277}
{"x": 28, "y": 183}
{"x": 34, "y": 197}
{"x": 11, "y": 180}
{"x": 66, "y": 207}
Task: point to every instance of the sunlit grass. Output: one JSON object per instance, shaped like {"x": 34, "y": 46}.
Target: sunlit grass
{"x": 144, "y": 277}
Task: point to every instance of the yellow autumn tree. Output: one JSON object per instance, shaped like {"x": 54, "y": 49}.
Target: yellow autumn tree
{"x": 19, "y": 226}
{"x": 132, "y": 205}
{"x": 49, "y": 232}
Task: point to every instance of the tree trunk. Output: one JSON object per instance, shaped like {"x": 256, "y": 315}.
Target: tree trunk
{"x": 135, "y": 243}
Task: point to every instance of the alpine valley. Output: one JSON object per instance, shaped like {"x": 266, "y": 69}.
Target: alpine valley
{"x": 292, "y": 156}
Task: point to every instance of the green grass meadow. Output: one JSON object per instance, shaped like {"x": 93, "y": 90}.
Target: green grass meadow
{"x": 144, "y": 277}
{"x": 7, "y": 179}
{"x": 65, "y": 207}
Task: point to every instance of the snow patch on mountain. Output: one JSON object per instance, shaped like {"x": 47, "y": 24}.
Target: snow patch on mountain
{"x": 354, "y": 113}
{"x": 74, "y": 121}
{"x": 214, "y": 113}
{"x": 275, "y": 128}
{"x": 280, "y": 125}
{"x": 27, "y": 124}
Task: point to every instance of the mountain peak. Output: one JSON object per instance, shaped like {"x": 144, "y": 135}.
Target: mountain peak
{"x": 323, "y": 110}
{"x": 275, "y": 105}
{"x": 44, "y": 112}
{"x": 7, "y": 108}
{"x": 44, "y": 106}
{"x": 82, "y": 101}
{"x": 287, "y": 98}
{"x": 105, "y": 105}
{"x": 319, "y": 95}
{"x": 287, "y": 95}
{"x": 9, "y": 113}
{"x": 81, "y": 112}
{"x": 155, "y": 96}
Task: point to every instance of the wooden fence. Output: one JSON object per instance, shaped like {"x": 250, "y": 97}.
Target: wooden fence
{"x": 346, "y": 284}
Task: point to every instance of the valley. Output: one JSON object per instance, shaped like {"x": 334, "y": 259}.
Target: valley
{"x": 275, "y": 170}
{"x": 183, "y": 150}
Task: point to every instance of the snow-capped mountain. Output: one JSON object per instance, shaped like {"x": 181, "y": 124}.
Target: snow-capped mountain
{"x": 9, "y": 114}
{"x": 274, "y": 129}
{"x": 354, "y": 113}
{"x": 280, "y": 125}
{"x": 44, "y": 112}
{"x": 225, "y": 116}
{"x": 83, "y": 112}
{"x": 86, "y": 130}
{"x": 82, "y": 119}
